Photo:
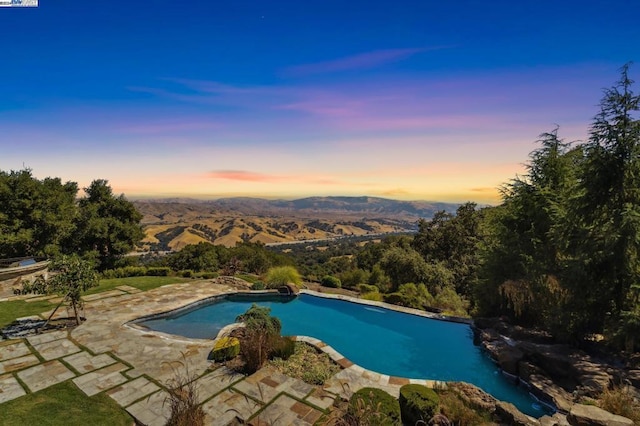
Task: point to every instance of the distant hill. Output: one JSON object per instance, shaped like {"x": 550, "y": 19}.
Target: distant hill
{"x": 173, "y": 223}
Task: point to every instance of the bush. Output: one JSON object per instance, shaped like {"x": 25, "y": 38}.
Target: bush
{"x": 187, "y": 273}
{"x": 205, "y": 275}
{"x": 259, "y": 338}
{"x": 452, "y": 303}
{"x": 331, "y": 281}
{"x": 258, "y": 285}
{"x": 158, "y": 271}
{"x": 417, "y": 402}
{"x": 307, "y": 364}
{"x": 225, "y": 348}
{"x": 372, "y": 295}
{"x": 367, "y": 288}
{"x": 283, "y": 348}
{"x": 375, "y": 407}
{"x": 283, "y": 275}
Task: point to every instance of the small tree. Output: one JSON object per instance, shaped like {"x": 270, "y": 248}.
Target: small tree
{"x": 283, "y": 275}
{"x": 71, "y": 277}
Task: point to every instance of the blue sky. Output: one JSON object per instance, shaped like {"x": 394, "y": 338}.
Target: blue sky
{"x": 413, "y": 100}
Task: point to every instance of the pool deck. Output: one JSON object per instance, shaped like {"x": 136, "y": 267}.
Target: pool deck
{"x": 133, "y": 366}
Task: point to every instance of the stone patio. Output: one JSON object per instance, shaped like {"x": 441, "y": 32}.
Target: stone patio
{"x": 134, "y": 366}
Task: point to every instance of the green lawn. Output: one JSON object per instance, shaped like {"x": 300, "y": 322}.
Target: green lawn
{"x": 141, "y": 283}
{"x": 9, "y": 311}
{"x": 64, "y": 405}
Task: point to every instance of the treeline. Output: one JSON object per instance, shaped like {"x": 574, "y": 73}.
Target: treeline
{"x": 45, "y": 217}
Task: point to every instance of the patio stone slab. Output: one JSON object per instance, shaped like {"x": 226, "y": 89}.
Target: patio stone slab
{"x": 287, "y": 411}
{"x": 84, "y": 362}
{"x": 56, "y": 349}
{"x": 321, "y": 399}
{"x": 47, "y": 337}
{"x": 44, "y": 375}
{"x": 227, "y": 406}
{"x": 10, "y": 388}
{"x": 213, "y": 383}
{"x": 151, "y": 411}
{"x": 14, "y": 364}
{"x": 103, "y": 295}
{"x": 100, "y": 380}
{"x": 14, "y": 350}
{"x": 129, "y": 392}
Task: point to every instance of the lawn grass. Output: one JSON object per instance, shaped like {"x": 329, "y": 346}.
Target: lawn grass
{"x": 9, "y": 311}
{"x": 64, "y": 405}
{"x": 141, "y": 283}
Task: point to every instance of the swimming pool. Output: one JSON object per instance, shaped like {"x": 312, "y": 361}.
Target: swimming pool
{"x": 378, "y": 339}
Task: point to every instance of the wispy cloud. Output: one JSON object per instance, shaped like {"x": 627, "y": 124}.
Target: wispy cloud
{"x": 254, "y": 177}
{"x": 356, "y": 62}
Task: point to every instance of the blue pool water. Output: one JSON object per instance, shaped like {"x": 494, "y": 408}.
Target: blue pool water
{"x": 378, "y": 339}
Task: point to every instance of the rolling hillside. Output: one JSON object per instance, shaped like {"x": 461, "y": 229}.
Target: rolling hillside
{"x": 172, "y": 224}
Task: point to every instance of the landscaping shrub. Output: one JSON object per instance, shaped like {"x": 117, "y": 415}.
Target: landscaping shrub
{"x": 451, "y": 302}
{"x": 331, "y": 281}
{"x": 158, "y": 271}
{"x": 417, "y": 402}
{"x": 372, "y": 295}
{"x": 283, "y": 348}
{"x": 258, "y": 285}
{"x": 378, "y": 407}
{"x": 187, "y": 273}
{"x": 307, "y": 364}
{"x": 205, "y": 275}
{"x": 225, "y": 348}
{"x": 283, "y": 275}
{"x": 259, "y": 338}
{"x": 367, "y": 288}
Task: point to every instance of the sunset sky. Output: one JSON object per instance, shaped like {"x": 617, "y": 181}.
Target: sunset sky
{"x": 421, "y": 100}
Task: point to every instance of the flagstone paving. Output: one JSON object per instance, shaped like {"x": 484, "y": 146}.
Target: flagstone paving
{"x": 127, "y": 393}
{"x": 14, "y": 350}
{"x": 84, "y": 362}
{"x": 14, "y": 364}
{"x": 44, "y": 375}
{"x": 100, "y": 380}
{"x": 10, "y": 388}
{"x": 56, "y": 349}
{"x": 134, "y": 366}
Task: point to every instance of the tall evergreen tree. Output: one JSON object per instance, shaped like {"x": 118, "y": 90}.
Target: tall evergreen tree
{"x": 607, "y": 244}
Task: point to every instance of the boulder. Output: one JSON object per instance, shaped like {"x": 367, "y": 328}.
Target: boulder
{"x": 590, "y": 415}
{"x": 556, "y": 420}
{"x": 510, "y": 415}
{"x": 508, "y": 358}
{"x": 474, "y": 396}
{"x": 546, "y": 390}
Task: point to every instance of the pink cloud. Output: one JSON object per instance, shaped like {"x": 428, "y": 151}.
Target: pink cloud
{"x": 246, "y": 176}
{"x": 356, "y": 62}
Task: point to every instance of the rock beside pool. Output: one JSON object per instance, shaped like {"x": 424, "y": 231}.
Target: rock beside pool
{"x": 590, "y": 415}
{"x": 478, "y": 399}
{"x": 544, "y": 388}
{"x": 509, "y": 414}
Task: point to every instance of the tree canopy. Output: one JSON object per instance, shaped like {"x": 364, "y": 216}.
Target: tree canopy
{"x": 45, "y": 218}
